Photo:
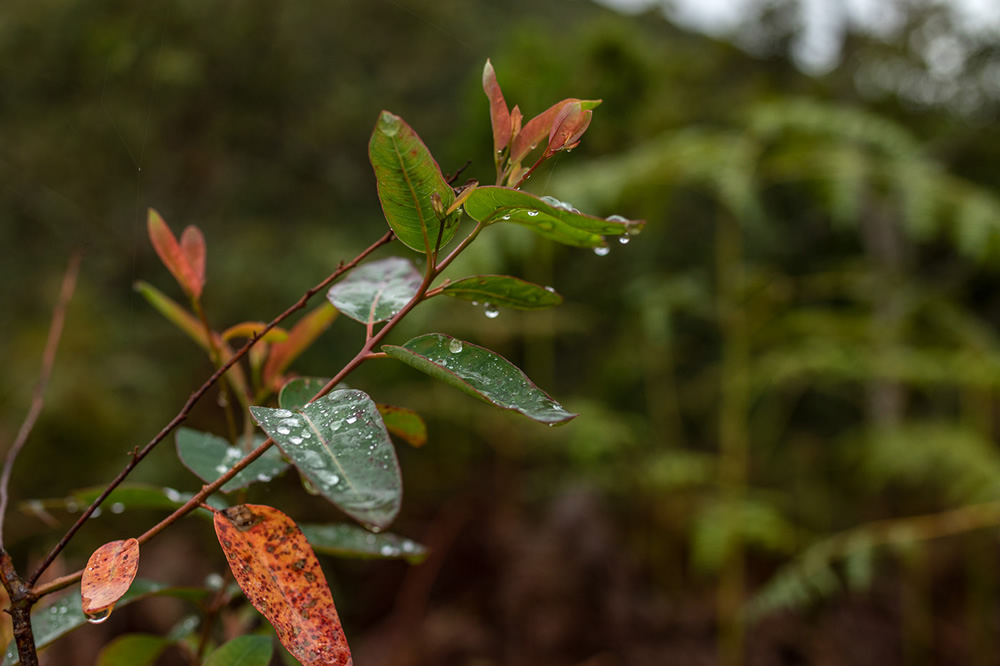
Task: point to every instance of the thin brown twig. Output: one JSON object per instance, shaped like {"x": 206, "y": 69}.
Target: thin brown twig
{"x": 182, "y": 415}
{"x": 38, "y": 398}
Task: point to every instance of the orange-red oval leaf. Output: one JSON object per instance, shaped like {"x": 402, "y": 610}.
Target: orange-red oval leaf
{"x": 108, "y": 575}
{"x": 187, "y": 263}
{"x": 278, "y": 572}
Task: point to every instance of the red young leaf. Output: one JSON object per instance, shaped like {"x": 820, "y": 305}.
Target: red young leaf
{"x": 567, "y": 128}
{"x": 108, "y": 575}
{"x": 499, "y": 115}
{"x": 277, "y": 570}
{"x": 190, "y": 277}
{"x": 193, "y": 247}
{"x": 540, "y": 127}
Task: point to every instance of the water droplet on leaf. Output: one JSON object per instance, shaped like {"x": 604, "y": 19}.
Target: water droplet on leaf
{"x": 99, "y": 616}
{"x": 532, "y": 213}
{"x": 455, "y": 346}
{"x": 602, "y": 250}
{"x": 624, "y": 239}
{"x": 283, "y": 430}
{"x": 491, "y": 311}
{"x": 617, "y": 218}
{"x": 506, "y": 217}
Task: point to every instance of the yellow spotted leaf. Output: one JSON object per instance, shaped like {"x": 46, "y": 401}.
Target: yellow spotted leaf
{"x": 278, "y": 572}
{"x": 108, "y": 575}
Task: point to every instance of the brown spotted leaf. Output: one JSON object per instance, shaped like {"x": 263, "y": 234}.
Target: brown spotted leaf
{"x": 108, "y": 575}
{"x": 278, "y": 572}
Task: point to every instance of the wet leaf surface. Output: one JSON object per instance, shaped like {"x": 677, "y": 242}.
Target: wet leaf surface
{"x": 375, "y": 292}
{"x": 339, "y": 443}
{"x": 480, "y": 373}
{"x": 345, "y": 540}
{"x": 503, "y": 290}
{"x": 209, "y": 457}
{"x": 553, "y": 219}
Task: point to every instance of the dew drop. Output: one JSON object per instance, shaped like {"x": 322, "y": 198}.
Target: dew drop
{"x": 532, "y": 213}
{"x": 351, "y": 420}
{"x": 387, "y": 550}
{"x": 283, "y": 430}
{"x": 491, "y": 311}
{"x": 214, "y": 581}
{"x": 295, "y": 440}
{"x": 99, "y": 616}
{"x": 282, "y": 413}
{"x": 602, "y": 250}
{"x": 506, "y": 217}
{"x": 455, "y": 346}
{"x": 221, "y": 469}
{"x": 117, "y": 507}
{"x": 617, "y": 218}
{"x": 624, "y": 239}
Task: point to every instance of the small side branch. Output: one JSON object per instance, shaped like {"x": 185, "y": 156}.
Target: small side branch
{"x": 38, "y": 398}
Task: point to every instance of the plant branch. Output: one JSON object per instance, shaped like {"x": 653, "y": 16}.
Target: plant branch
{"x": 185, "y": 411}
{"x": 38, "y": 398}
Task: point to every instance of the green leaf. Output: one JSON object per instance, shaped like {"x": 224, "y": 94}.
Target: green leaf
{"x": 209, "y": 457}
{"x": 480, "y": 373}
{"x": 132, "y": 650}
{"x": 503, "y": 290}
{"x": 125, "y": 496}
{"x": 404, "y": 423}
{"x": 340, "y": 444}
{"x": 345, "y": 540}
{"x": 548, "y": 217}
{"x": 242, "y": 651}
{"x": 298, "y": 392}
{"x": 375, "y": 292}
{"x": 65, "y": 615}
{"x": 407, "y": 177}
{"x": 174, "y": 313}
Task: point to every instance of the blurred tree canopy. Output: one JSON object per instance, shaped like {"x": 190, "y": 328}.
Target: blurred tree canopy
{"x": 803, "y": 340}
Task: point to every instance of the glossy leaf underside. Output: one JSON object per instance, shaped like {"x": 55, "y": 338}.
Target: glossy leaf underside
{"x": 346, "y": 540}
{"x": 503, "y": 290}
{"x": 375, "y": 292}
{"x": 209, "y": 457}
{"x": 480, "y": 373}
{"x": 107, "y": 577}
{"x": 339, "y": 443}
{"x": 546, "y": 216}
{"x": 407, "y": 177}
{"x": 280, "y": 575}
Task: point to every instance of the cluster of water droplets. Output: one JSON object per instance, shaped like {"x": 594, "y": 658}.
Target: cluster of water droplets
{"x": 562, "y": 205}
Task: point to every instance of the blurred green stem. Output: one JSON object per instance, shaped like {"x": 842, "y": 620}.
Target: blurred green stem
{"x": 733, "y": 436}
